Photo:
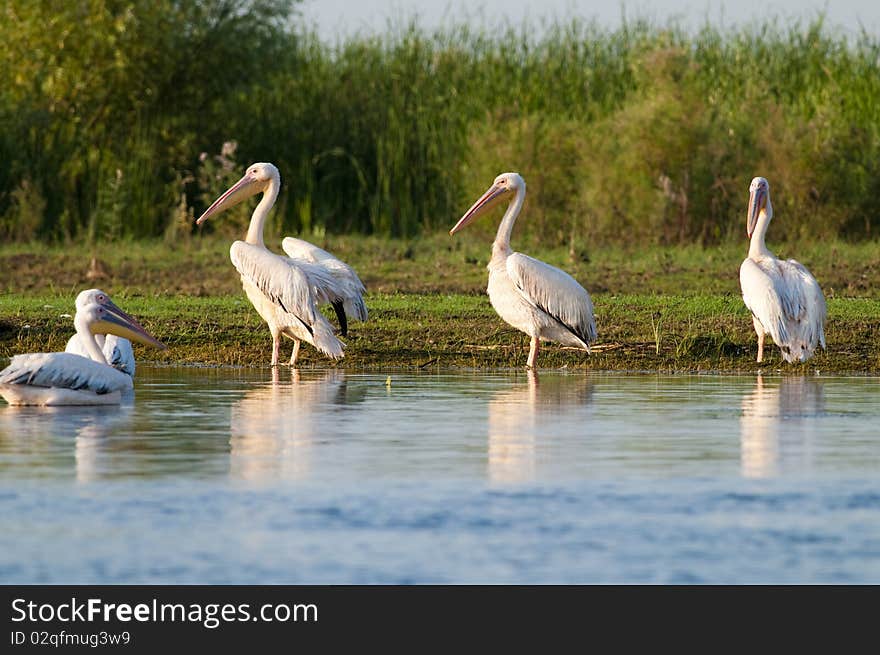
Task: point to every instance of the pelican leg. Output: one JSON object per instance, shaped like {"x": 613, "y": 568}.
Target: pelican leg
{"x": 276, "y": 348}
{"x": 759, "y": 330}
{"x": 296, "y": 343}
{"x": 339, "y": 308}
{"x": 533, "y": 352}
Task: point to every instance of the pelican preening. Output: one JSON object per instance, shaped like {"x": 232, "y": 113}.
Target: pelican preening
{"x": 536, "y": 298}
{"x": 783, "y": 296}
{"x": 117, "y": 350}
{"x": 71, "y": 379}
{"x": 286, "y": 291}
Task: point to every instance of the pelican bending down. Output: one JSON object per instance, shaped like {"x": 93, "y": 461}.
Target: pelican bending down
{"x": 117, "y": 350}
{"x": 534, "y": 297}
{"x": 285, "y": 292}
{"x": 784, "y": 298}
{"x": 70, "y": 379}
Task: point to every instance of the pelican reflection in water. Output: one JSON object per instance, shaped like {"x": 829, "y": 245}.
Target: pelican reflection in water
{"x": 777, "y": 425}
{"x": 522, "y": 418}
{"x": 274, "y": 427}
{"x": 40, "y": 437}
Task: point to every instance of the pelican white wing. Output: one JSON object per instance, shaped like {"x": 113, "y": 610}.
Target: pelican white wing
{"x": 554, "y": 292}
{"x": 117, "y": 350}
{"x": 299, "y": 249}
{"x": 348, "y": 284}
{"x": 61, "y": 379}
{"x": 326, "y": 288}
{"x": 121, "y": 356}
{"x": 288, "y": 287}
{"x": 788, "y": 302}
{"x": 285, "y": 285}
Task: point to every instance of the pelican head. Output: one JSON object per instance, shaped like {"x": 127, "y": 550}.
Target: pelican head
{"x": 255, "y": 180}
{"x": 759, "y": 200}
{"x": 104, "y": 319}
{"x": 98, "y": 297}
{"x": 503, "y": 186}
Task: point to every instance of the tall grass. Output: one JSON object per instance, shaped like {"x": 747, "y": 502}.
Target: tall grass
{"x": 644, "y": 134}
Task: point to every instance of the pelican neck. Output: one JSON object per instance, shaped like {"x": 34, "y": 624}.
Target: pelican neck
{"x": 505, "y": 228}
{"x": 261, "y": 212}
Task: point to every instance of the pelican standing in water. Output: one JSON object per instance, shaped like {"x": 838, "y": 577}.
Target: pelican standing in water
{"x": 70, "y": 379}
{"x": 536, "y": 298}
{"x": 783, "y": 296}
{"x": 117, "y": 350}
{"x": 284, "y": 291}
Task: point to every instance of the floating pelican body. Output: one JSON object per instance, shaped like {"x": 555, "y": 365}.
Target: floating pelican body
{"x": 783, "y": 296}
{"x": 70, "y": 379}
{"x": 536, "y": 298}
{"x": 285, "y": 291}
{"x": 117, "y": 350}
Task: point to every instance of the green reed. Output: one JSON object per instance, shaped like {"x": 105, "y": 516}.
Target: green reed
{"x": 648, "y": 134}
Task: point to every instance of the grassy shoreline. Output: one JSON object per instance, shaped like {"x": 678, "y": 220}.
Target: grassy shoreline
{"x": 661, "y": 333}
{"x": 663, "y": 310}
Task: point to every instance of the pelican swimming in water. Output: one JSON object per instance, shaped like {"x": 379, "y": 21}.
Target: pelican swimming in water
{"x": 70, "y": 379}
{"x": 284, "y": 291}
{"x": 783, "y": 296}
{"x": 117, "y": 350}
{"x": 536, "y": 298}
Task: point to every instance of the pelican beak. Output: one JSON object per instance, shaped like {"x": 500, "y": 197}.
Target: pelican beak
{"x": 241, "y": 190}
{"x": 757, "y": 203}
{"x": 113, "y": 308}
{"x": 486, "y": 202}
{"x": 115, "y": 321}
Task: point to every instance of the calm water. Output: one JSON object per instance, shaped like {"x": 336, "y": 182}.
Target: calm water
{"x": 226, "y": 476}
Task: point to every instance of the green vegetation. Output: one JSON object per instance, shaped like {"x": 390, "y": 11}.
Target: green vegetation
{"x": 120, "y": 121}
{"x": 641, "y": 136}
{"x": 667, "y": 309}
{"x": 711, "y": 334}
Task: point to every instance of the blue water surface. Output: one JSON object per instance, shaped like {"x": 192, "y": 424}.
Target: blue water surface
{"x": 246, "y": 476}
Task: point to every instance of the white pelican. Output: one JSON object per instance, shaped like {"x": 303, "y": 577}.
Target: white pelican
{"x": 285, "y": 292}
{"x": 534, "y": 297}
{"x": 784, "y": 298}
{"x": 117, "y": 350}
{"x": 69, "y": 379}
{"x": 350, "y": 285}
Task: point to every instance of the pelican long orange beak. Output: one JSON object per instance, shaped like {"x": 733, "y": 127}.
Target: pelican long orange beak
{"x": 115, "y": 321}
{"x": 241, "y": 190}
{"x": 757, "y": 203}
{"x": 487, "y": 201}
